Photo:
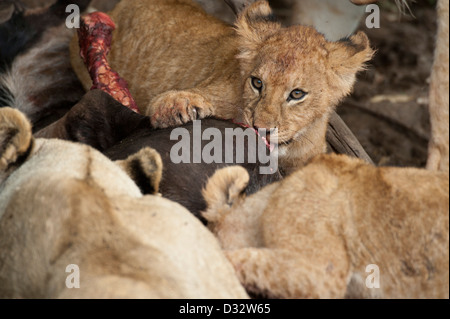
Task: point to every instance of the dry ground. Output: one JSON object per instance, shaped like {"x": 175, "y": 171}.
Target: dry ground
{"x": 388, "y": 111}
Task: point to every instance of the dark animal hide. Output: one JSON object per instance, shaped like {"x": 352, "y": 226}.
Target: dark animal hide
{"x": 100, "y": 121}
{"x": 24, "y": 30}
{"x": 37, "y": 76}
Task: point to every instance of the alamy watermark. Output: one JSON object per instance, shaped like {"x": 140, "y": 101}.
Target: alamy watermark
{"x": 372, "y": 21}
{"x": 373, "y": 280}
{"x": 230, "y": 149}
{"x": 73, "y": 19}
{"x": 374, "y": 17}
{"x": 73, "y": 279}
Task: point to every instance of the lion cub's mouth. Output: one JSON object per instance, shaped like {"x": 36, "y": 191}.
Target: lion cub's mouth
{"x": 279, "y": 143}
{"x": 275, "y": 142}
{"x": 271, "y": 144}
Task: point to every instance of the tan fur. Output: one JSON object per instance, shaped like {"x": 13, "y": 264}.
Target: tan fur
{"x": 150, "y": 163}
{"x": 181, "y": 68}
{"x": 67, "y": 204}
{"x": 313, "y": 234}
{"x": 14, "y": 142}
{"x": 438, "y": 158}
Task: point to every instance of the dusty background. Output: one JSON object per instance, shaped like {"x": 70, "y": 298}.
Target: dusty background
{"x": 388, "y": 110}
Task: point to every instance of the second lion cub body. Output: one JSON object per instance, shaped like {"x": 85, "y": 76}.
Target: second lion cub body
{"x": 315, "y": 234}
{"x": 182, "y": 64}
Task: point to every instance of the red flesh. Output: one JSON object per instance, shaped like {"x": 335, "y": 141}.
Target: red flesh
{"x": 95, "y": 37}
{"x": 270, "y": 146}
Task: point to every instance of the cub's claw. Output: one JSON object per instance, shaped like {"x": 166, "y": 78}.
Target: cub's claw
{"x": 175, "y": 108}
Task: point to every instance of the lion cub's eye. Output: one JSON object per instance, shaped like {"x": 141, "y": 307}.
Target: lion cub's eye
{"x": 297, "y": 95}
{"x": 257, "y": 84}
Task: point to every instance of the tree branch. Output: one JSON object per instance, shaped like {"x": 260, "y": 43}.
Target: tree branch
{"x": 341, "y": 140}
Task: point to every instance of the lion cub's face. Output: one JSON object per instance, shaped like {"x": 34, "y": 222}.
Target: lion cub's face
{"x": 293, "y": 76}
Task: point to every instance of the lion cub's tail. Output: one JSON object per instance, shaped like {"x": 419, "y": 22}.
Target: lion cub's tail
{"x": 222, "y": 191}
{"x": 16, "y": 138}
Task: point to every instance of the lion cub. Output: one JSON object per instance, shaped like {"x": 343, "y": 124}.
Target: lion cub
{"x": 65, "y": 204}
{"x": 317, "y": 233}
{"x": 182, "y": 64}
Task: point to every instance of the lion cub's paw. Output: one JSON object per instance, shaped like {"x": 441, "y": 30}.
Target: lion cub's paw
{"x": 15, "y": 136}
{"x": 223, "y": 189}
{"x": 175, "y": 108}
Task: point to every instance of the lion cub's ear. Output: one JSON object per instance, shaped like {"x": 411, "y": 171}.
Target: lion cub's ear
{"x": 254, "y": 25}
{"x": 346, "y": 58}
{"x": 223, "y": 189}
{"x": 15, "y": 136}
{"x": 145, "y": 169}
